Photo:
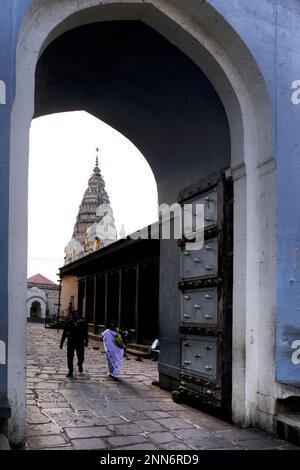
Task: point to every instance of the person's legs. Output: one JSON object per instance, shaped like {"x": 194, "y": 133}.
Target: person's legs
{"x": 117, "y": 366}
{"x": 70, "y": 356}
{"x": 116, "y": 370}
{"x": 110, "y": 367}
{"x": 80, "y": 355}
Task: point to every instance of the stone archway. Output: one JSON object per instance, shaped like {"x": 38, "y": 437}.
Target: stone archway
{"x": 36, "y": 304}
{"x": 250, "y": 123}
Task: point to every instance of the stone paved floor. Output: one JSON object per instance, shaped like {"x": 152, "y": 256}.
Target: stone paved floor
{"x": 92, "y": 411}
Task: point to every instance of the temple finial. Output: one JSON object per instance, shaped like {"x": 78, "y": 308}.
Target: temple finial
{"x": 97, "y": 160}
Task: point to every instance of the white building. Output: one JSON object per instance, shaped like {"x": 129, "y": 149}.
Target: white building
{"x": 42, "y": 298}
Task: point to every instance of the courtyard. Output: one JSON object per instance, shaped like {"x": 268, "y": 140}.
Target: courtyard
{"x": 91, "y": 411}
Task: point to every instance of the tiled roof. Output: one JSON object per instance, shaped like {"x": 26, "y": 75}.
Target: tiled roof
{"x": 40, "y": 279}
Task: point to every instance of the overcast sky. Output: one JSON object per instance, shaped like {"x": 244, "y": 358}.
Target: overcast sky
{"x": 62, "y": 158}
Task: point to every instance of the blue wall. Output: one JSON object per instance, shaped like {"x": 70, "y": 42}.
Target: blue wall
{"x": 288, "y": 201}
{"x": 271, "y": 30}
{"x": 11, "y": 14}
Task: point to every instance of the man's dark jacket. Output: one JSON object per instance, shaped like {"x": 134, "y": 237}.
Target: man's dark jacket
{"x": 75, "y": 331}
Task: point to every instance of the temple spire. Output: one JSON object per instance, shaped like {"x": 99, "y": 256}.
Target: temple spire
{"x": 94, "y": 196}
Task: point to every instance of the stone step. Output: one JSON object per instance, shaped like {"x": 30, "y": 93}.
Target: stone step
{"x": 139, "y": 350}
{"x": 287, "y": 426}
{"x": 138, "y": 353}
{"x": 139, "y": 347}
{"x": 94, "y": 336}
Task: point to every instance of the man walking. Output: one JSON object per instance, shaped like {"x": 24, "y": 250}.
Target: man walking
{"x": 76, "y": 331}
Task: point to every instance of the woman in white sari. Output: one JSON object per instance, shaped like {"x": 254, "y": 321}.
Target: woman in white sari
{"x": 114, "y": 350}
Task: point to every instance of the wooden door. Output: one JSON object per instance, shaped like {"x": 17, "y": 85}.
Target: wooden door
{"x": 206, "y": 300}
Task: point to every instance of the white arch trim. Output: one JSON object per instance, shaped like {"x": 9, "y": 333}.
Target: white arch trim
{"x": 196, "y": 30}
{"x": 42, "y": 303}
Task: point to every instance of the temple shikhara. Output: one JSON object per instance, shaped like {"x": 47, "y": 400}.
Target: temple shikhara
{"x": 95, "y": 225}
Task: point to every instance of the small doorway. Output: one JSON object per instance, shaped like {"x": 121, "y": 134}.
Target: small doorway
{"x": 35, "y": 311}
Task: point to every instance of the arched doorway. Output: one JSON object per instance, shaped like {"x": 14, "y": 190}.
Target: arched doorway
{"x": 172, "y": 117}
{"x": 249, "y": 119}
{"x": 36, "y": 304}
{"x": 35, "y": 311}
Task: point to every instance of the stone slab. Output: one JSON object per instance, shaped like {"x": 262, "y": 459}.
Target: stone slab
{"x": 94, "y": 431}
{"x": 175, "y": 423}
{"x": 88, "y": 444}
{"x": 42, "y": 429}
{"x": 43, "y": 442}
{"x": 119, "y": 441}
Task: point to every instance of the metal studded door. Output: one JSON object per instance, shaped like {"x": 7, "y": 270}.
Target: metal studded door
{"x": 206, "y": 299}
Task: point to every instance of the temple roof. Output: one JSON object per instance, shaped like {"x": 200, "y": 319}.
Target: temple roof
{"x": 40, "y": 279}
{"x": 94, "y": 195}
